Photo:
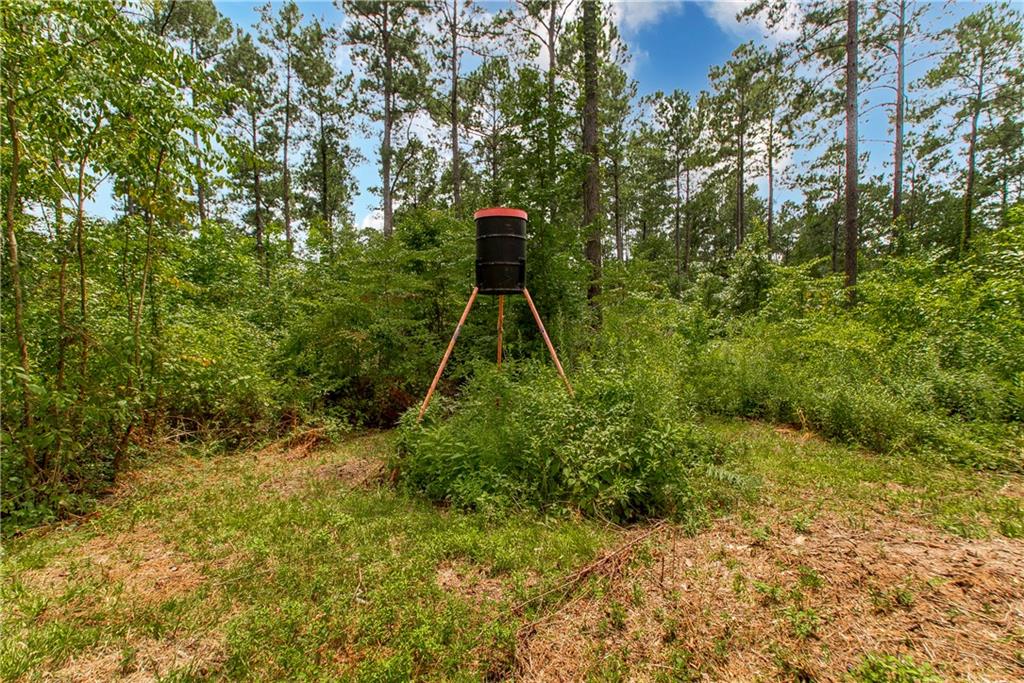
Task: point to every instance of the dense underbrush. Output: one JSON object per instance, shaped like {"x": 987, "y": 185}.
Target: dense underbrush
{"x": 929, "y": 361}
{"x": 931, "y": 358}
{"x": 621, "y": 448}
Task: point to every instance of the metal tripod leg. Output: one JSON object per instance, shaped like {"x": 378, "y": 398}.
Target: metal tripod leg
{"x": 547, "y": 340}
{"x": 501, "y": 323}
{"x": 447, "y": 354}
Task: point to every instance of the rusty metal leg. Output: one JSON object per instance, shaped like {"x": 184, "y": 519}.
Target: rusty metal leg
{"x": 547, "y": 340}
{"x": 447, "y": 354}
{"x": 501, "y": 322}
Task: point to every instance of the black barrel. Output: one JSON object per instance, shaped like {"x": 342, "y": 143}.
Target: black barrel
{"x": 500, "y": 250}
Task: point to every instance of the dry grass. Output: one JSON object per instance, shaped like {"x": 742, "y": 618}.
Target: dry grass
{"x": 136, "y": 565}
{"x": 726, "y": 606}
{"x": 144, "y": 659}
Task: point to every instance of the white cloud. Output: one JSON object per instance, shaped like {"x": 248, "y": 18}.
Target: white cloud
{"x": 373, "y": 220}
{"x": 632, "y": 15}
{"x": 723, "y": 13}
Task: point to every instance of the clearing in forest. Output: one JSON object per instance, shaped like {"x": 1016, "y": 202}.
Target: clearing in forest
{"x": 299, "y": 560}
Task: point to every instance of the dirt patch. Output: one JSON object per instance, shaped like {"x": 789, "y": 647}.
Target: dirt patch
{"x": 357, "y": 472}
{"x": 1013, "y": 488}
{"x": 353, "y": 473}
{"x": 469, "y": 581}
{"x": 145, "y": 660}
{"x": 295, "y": 446}
{"x": 137, "y": 563}
{"x": 769, "y": 604}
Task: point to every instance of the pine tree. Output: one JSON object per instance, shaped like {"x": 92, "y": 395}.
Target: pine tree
{"x": 280, "y": 36}
{"x": 324, "y": 177}
{"x": 386, "y": 39}
{"x": 205, "y": 32}
{"x": 979, "y": 75}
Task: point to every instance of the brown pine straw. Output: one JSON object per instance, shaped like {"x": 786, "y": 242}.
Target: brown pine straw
{"x": 610, "y": 565}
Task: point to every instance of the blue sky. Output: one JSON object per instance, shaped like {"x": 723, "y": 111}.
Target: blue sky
{"x": 673, "y": 44}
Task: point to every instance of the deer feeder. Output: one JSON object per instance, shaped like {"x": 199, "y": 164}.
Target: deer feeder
{"x": 500, "y": 270}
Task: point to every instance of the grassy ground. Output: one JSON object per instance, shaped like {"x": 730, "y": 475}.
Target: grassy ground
{"x": 297, "y": 562}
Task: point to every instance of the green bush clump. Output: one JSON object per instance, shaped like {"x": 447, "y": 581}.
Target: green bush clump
{"x": 879, "y": 668}
{"x": 620, "y": 449}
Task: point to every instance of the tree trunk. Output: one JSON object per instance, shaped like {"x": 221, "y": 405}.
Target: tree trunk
{"x": 261, "y": 252}
{"x": 851, "y": 228}
{"x": 771, "y": 179}
{"x": 62, "y": 290}
{"x": 286, "y": 174}
{"x": 13, "y": 266}
{"x": 83, "y": 308}
{"x": 740, "y": 174}
{"x": 591, "y": 186}
{"x": 688, "y": 237}
{"x": 454, "y": 104}
{"x": 385, "y": 150}
{"x": 965, "y": 235}
{"x": 495, "y": 190}
{"x": 200, "y": 179}
{"x": 897, "y": 176}
{"x": 324, "y": 212}
{"x": 675, "y": 234}
{"x": 836, "y": 220}
{"x": 551, "y": 141}
{"x": 619, "y": 247}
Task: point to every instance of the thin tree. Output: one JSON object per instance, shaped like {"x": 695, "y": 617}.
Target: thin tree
{"x": 592, "y": 182}
{"x": 386, "y": 37}
{"x": 851, "y": 179}
{"x": 279, "y": 35}
{"x": 979, "y": 74}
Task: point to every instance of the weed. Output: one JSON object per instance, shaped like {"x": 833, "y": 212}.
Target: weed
{"x": 809, "y": 578}
{"x": 884, "y": 601}
{"x": 770, "y": 593}
{"x": 803, "y": 622}
{"x": 801, "y": 523}
{"x": 883, "y": 668}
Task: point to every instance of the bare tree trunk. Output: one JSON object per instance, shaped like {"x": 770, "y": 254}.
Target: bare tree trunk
{"x": 740, "y": 175}
{"x": 495, "y": 191}
{"x": 897, "y": 176}
{"x": 385, "y": 151}
{"x": 591, "y": 186}
{"x": 837, "y": 219}
{"x": 200, "y": 179}
{"x": 676, "y": 234}
{"x": 83, "y": 308}
{"x": 261, "y": 252}
{"x": 454, "y": 105}
{"x": 62, "y": 291}
{"x": 619, "y": 247}
{"x": 965, "y": 235}
{"x": 325, "y": 214}
{"x": 688, "y": 237}
{"x": 552, "y": 65}
{"x": 286, "y": 174}
{"x": 771, "y": 179}
{"x": 13, "y": 266}
{"x": 852, "y": 231}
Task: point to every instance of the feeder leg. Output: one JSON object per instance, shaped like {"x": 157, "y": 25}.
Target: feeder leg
{"x": 501, "y": 322}
{"x": 547, "y": 340}
{"x": 447, "y": 354}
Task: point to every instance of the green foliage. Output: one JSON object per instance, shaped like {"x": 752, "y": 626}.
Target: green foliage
{"x": 881, "y": 668}
{"x": 930, "y": 359}
{"x": 618, "y": 449}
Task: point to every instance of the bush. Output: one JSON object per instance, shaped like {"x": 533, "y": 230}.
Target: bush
{"x": 619, "y": 449}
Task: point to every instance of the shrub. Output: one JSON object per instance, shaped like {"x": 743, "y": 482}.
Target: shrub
{"x": 620, "y": 449}
{"x": 877, "y": 668}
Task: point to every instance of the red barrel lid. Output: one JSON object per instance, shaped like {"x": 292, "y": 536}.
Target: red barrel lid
{"x": 500, "y": 211}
